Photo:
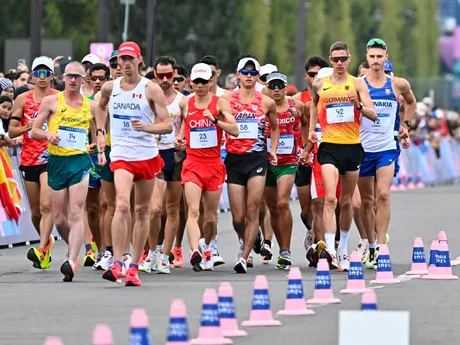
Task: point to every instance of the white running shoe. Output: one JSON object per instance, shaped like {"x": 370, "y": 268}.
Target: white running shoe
{"x": 106, "y": 261}
{"x": 343, "y": 261}
{"x": 126, "y": 260}
{"x": 162, "y": 264}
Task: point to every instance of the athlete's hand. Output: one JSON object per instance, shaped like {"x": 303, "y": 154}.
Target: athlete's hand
{"x": 353, "y": 97}
{"x": 207, "y": 114}
{"x": 10, "y": 142}
{"x": 179, "y": 144}
{"x": 91, "y": 149}
{"x": 273, "y": 158}
{"x": 137, "y": 125}
{"x": 17, "y": 142}
{"x": 53, "y": 138}
{"x": 406, "y": 143}
{"x": 29, "y": 126}
{"x": 303, "y": 158}
{"x": 312, "y": 136}
{"x": 101, "y": 160}
{"x": 403, "y": 132}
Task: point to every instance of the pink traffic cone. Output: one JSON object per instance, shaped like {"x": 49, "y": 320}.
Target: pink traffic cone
{"x": 323, "y": 291}
{"x": 53, "y": 341}
{"x": 226, "y": 307}
{"x": 369, "y": 300}
{"x": 261, "y": 315}
{"x": 102, "y": 335}
{"x": 295, "y": 302}
{"x": 384, "y": 270}
{"x": 356, "y": 282}
{"x": 178, "y": 328}
{"x": 442, "y": 237}
{"x": 443, "y": 267}
{"x": 210, "y": 332}
{"x": 139, "y": 333}
{"x": 418, "y": 259}
{"x": 432, "y": 264}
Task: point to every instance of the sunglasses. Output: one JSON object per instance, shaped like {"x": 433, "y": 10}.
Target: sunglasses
{"x": 312, "y": 74}
{"x": 263, "y": 78}
{"x": 336, "y": 59}
{"x": 73, "y": 75}
{"x": 161, "y": 76}
{"x": 179, "y": 79}
{"x": 252, "y": 72}
{"x": 42, "y": 73}
{"x": 114, "y": 64}
{"x": 200, "y": 81}
{"x": 377, "y": 43}
{"x": 276, "y": 86}
{"x": 100, "y": 78}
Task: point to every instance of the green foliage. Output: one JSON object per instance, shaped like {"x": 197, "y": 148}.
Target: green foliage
{"x": 316, "y": 20}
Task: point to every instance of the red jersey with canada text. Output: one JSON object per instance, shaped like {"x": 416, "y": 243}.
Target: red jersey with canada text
{"x": 203, "y": 138}
{"x": 251, "y": 121}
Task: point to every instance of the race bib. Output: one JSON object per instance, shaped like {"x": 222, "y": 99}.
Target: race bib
{"x": 121, "y": 126}
{"x": 340, "y": 113}
{"x": 167, "y": 139}
{"x": 202, "y": 138}
{"x": 285, "y": 144}
{"x": 249, "y": 129}
{"x": 44, "y": 127}
{"x": 381, "y": 125}
{"x": 319, "y": 134}
{"x": 72, "y": 138}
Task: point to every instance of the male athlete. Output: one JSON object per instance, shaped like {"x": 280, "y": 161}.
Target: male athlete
{"x": 280, "y": 178}
{"x": 246, "y": 160}
{"x": 34, "y": 158}
{"x": 68, "y": 115}
{"x": 137, "y": 110}
{"x": 203, "y": 173}
{"x": 338, "y": 102}
{"x": 380, "y": 147}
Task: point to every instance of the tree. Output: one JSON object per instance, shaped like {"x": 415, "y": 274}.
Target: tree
{"x": 316, "y": 29}
{"x": 420, "y": 40}
{"x": 390, "y": 30}
{"x": 432, "y": 35}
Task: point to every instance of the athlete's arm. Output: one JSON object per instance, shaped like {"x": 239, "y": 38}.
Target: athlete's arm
{"x": 97, "y": 99}
{"x": 317, "y": 84}
{"x": 15, "y": 129}
{"x": 368, "y": 109}
{"x": 402, "y": 108}
{"x": 229, "y": 124}
{"x": 101, "y": 114}
{"x": 180, "y": 144}
{"x": 265, "y": 92}
{"x": 92, "y": 128}
{"x": 47, "y": 109}
{"x": 270, "y": 106}
{"x": 157, "y": 101}
{"x": 408, "y": 96}
{"x": 304, "y": 121}
{"x": 297, "y": 96}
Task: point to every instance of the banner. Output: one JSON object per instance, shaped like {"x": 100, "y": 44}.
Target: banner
{"x": 102, "y": 51}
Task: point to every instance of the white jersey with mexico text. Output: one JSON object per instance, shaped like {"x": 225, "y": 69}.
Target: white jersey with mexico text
{"x": 127, "y": 143}
{"x": 166, "y": 141}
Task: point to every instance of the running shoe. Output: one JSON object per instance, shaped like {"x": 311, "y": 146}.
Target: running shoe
{"x": 284, "y": 260}
{"x": 178, "y": 257}
{"x": 126, "y": 259}
{"x": 372, "y": 258}
{"x": 90, "y": 259}
{"x": 312, "y": 256}
{"x": 163, "y": 264}
{"x": 266, "y": 254}
{"x": 195, "y": 260}
{"x": 132, "y": 277}
{"x": 241, "y": 266}
{"x": 68, "y": 270}
{"x": 218, "y": 260}
{"x": 113, "y": 274}
{"x": 259, "y": 243}
{"x": 343, "y": 260}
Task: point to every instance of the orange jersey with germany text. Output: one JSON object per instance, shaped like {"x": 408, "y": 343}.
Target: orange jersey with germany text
{"x": 338, "y": 118}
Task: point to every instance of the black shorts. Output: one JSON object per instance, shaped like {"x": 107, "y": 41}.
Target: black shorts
{"x": 240, "y": 168}
{"x": 303, "y": 176}
{"x": 173, "y": 165}
{"x": 32, "y": 173}
{"x": 345, "y": 157}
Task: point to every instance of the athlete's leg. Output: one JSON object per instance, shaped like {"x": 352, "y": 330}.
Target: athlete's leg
{"x": 347, "y": 188}
{"x": 237, "y": 199}
{"x": 33, "y": 194}
{"x": 382, "y": 216}
{"x": 305, "y": 205}
{"x": 366, "y": 190}
{"x": 60, "y": 207}
{"x": 102, "y": 212}
{"x": 46, "y": 221}
{"x": 182, "y": 221}
{"x": 110, "y": 197}
{"x": 210, "y": 206}
{"x": 193, "y": 194}
{"x": 356, "y": 204}
{"x": 330, "y": 176}
{"x": 271, "y": 200}
{"x": 156, "y": 211}
{"x": 284, "y": 188}
{"x": 173, "y": 200}
{"x": 318, "y": 229}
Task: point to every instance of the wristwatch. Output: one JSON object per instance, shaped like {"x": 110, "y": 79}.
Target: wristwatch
{"x": 216, "y": 119}
{"x": 100, "y": 130}
{"x": 360, "y": 106}
{"x": 408, "y": 124}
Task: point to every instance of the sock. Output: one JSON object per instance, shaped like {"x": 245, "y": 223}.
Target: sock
{"x": 151, "y": 253}
{"x": 305, "y": 222}
{"x": 343, "y": 243}
{"x": 88, "y": 247}
{"x": 110, "y": 249}
{"x": 119, "y": 263}
{"x": 268, "y": 242}
{"x": 136, "y": 266}
{"x": 158, "y": 248}
{"x": 330, "y": 240}
{"x": 372, "y": 245}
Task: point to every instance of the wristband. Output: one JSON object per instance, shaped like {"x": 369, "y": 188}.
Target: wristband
{"x": 216, "y": 119}
{"x": 100, "y": 130}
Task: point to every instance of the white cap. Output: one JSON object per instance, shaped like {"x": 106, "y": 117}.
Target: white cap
{"x": 428, "y": 101}
{"x": 268, "y": 68}
{"x": 43, "y": 61}
{"x": 201, "y": 71}
{"x": 325, "y": 72}
{"x": 277, "y": 76}
{"x": 420, "y": 108}
{"x": 91, "y": 58}
{"x": 244, "y": 61}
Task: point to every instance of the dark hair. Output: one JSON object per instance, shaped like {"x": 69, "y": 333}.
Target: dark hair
{"x": 246, "y": 56}
{"x": 4, "y": 99}
{"x": 164, "y": 61}
{"x": 18, "y": 75}
{"x": 98, "y": 67}
{"x": 339, "y": 46}
{"x": 59, "y": 84}
{"x": 365, "y": 64}
{"x": 150, "y": 75}
{"x": 20, "y": 90}
{"x": 210, "y": 60}
{"x": 182, "y": 70}
{"x": 314, "y": 61}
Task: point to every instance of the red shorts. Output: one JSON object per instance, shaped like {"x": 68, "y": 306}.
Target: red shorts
{"x": 141, "y": 170}
{"x": 208, "y": 176}
{"x": 317, "y": 189}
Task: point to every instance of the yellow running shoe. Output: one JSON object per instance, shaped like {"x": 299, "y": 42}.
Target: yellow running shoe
{"x": 90, "y": 259}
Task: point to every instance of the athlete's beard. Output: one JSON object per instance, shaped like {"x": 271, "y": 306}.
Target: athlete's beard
{"x": 165, "y": 86}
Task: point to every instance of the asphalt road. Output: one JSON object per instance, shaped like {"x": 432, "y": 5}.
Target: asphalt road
{"x": 36, "y": 304}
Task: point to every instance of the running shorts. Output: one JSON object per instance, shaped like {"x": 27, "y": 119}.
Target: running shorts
{"x": 173, "y": 165}
{"x": 105, "y": 173}
{"x": 303, "y": 176}
{"x": 345, "y": 157}
{"x": 141, "y": 170}
{"x": 65, "y": 171}
{"x": 240, "y": 168}
{"x": 373, "y": 161}
{"x": 32, "y": 173}
{"x": 209, "y": 176}
{"x": 275, "y": 172}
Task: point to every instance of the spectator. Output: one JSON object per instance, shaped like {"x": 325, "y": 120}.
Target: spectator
{"x": 6, "y": 104}
{"x": 6, "y": 88}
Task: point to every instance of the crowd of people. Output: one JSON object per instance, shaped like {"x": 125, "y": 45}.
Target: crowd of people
{"x": 124, "y": 162}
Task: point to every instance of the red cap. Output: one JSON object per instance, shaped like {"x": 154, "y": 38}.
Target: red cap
{"x": 129, "y": 49}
